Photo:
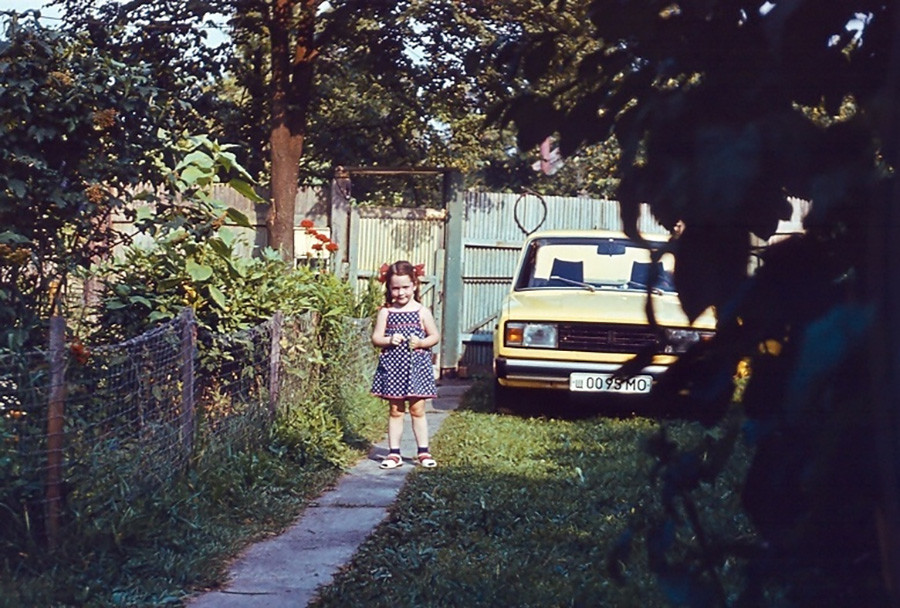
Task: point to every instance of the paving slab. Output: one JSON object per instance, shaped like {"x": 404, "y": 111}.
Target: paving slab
{"x": 285, "y": 571}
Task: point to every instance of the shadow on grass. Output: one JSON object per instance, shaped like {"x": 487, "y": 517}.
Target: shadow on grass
{"x": 526, "y": 510}
{"x": 563, "y": 405}
{"x": 511, "y": 528}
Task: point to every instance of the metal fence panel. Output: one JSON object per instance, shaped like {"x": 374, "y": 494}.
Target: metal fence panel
{"x": 382, "y": 235}
{"x": 496, "y": 226}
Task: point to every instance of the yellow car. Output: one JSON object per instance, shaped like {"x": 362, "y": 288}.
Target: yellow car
{"x": 577, "y": 311}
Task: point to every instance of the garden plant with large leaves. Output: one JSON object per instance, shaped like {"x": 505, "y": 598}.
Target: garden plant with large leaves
{"x": 722, "y": 110}
{"x": 78, "y": 130}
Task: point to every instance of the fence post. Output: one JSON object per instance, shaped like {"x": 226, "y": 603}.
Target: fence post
{"x": 451, "y": 339}
{"x": 275, "y": 362}
{"x": 339, "y": 217}
{"x": 55, "y": 418}
{"x": 188, "y": 345}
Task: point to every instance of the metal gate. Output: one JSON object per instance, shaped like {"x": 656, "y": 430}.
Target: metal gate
{"x": 383, "y": 235}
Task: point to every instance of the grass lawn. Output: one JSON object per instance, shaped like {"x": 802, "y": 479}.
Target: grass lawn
{"x": 526, "y": 511}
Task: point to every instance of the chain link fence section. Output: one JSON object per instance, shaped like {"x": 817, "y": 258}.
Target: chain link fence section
{"x": 84, "y": 432}
{"x": 355, "y": 360}
{"x": 301, "y": 362}
{"x": 238, "y": 387}
{"x": 24, "y": 391}
{"x": 84, "y": 429}
{"x": 129, "y": 411}
{"x": 358, "y": 354}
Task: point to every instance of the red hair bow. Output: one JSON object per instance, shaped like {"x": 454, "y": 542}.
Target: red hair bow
{"x": 418, "y": 269}
{"x": 382, "y": 272}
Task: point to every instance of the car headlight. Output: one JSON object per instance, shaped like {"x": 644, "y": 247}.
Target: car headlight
{"x": 530, "y": 335}
{"x": 679, "y": 340}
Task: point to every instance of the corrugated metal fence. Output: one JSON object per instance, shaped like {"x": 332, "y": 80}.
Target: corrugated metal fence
{"x": 495, "y": 227}
{"x": 469, "y": 260}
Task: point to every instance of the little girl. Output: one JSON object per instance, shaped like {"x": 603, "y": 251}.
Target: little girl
{"x": 405, "y": 331}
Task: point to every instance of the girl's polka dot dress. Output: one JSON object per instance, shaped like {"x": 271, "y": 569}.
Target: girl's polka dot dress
{"x": 404, "y": 373}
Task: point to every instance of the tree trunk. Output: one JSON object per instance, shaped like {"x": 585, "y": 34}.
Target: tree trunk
{"x": 290, "y": 94}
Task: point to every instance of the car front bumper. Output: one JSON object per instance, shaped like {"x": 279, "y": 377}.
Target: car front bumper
{"x": 536, "y": 373}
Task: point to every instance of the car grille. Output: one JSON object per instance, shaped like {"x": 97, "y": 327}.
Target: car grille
{"x": 603, "y": 337}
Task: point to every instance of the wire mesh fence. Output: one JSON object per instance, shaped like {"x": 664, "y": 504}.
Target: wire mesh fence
{"x": 357, "y": 362}
{"x": 24, "y": 392}
{"x": 237, "y": 387}
{"x": 85, "y": 431}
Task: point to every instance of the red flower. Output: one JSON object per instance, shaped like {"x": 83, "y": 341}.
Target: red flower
{"x": 306, "y": 224}
{"x": 331, "y": 246}
{"x": 322, "y": 238}
{"x": 420, "y": 270}
{"x": 312, "y": 232}
{"x": 317, "y": 246}
{"x": 382, "y": 272}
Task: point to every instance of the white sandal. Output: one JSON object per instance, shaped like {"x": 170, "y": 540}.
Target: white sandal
{"x": 391, "y": 461}
{"x": 426, "y": 460}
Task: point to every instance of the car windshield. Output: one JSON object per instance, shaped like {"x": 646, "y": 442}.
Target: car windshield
{"x": 593, "y": 263}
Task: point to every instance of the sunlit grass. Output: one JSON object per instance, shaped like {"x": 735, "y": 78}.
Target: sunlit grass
{"x": 521, "y": 512}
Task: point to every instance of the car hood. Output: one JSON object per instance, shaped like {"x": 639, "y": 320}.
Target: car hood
{"x": 601, "y": 305}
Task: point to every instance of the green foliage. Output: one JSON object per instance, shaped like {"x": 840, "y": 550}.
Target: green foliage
{"x": 394, "y": 84}
{"x": 153, "y": 548}
{"x": 171, "y": 39}
{"x": 228, "y": 293}
{"x": 187, "y": 255}
{"x": 312, "y": 433}
{"x": 471, "y": 73}
{"x": 722, "y": 109}
{"x": 78, "y": 132}
{"x": 202, "y": 163}
{"x": 347, "y": 369}
{"x": 369, "y": 300}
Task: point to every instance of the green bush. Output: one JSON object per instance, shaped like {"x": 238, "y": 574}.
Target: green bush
{"x": 146, "y": 549}
{"x": 227, "y": 293}
{"x": 325, "y": 417}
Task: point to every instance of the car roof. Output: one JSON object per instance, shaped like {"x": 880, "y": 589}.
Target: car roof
{"x": 612, "y": 234}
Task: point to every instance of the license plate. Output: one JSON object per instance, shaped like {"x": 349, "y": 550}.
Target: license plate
{"x": 609, "y": 383}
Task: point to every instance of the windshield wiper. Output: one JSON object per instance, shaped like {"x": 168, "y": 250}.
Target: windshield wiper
{"x": 641, "y": 286}
{"x": 587, "y": 286}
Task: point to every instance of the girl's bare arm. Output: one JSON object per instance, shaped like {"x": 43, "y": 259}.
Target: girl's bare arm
{"x": 378, "y": 337}
{"x": 432, "y": 335}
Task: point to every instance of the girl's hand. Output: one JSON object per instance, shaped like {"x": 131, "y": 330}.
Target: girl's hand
{"x": 414, "y": 342}
{"x": 397, "y": 339}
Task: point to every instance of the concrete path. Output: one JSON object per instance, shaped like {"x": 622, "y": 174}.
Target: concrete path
{"x": 285, "y": 571}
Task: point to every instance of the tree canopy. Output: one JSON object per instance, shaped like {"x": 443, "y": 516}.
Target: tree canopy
{"x": 393, "y": 84}
{"x": 79, "y": 127}
{"x": 723, "y": 109}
